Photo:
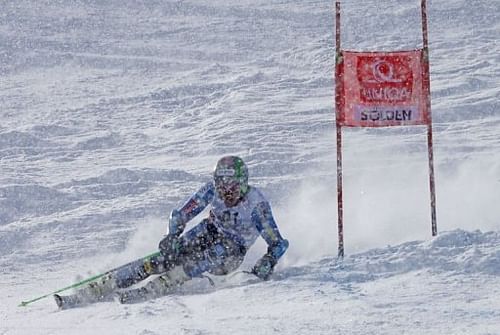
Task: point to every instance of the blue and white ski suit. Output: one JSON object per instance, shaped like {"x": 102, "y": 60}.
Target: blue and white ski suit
{"x": 223, "y": 238}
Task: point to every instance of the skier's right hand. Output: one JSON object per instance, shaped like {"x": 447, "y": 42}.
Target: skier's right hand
{"x": 170, "y": 247}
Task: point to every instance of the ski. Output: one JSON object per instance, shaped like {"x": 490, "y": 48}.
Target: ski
{"x": 86, "y": 281}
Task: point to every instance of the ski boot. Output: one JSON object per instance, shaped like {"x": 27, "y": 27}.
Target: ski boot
{"x": 156, "y": 288}
{"x": 98, "y": 291}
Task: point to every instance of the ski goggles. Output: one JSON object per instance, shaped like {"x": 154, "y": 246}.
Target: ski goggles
{"x": 227, "y": 184}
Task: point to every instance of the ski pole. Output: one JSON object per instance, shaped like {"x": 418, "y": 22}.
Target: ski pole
{"x": 85, "y": 281}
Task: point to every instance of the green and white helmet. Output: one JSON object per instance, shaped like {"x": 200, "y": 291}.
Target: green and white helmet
{"x": 231, "y": 179}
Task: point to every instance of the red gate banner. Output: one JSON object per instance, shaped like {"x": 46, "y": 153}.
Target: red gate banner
{"x": 380, "y": 89}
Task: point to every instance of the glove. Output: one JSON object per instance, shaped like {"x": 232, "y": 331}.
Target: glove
{"x": 170, "y": 248}
{"x": 264, "y": 267}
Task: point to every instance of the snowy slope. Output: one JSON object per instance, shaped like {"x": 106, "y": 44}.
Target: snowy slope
{"x": 112, "y": 112}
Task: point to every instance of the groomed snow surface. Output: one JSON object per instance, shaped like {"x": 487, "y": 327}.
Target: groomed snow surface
{"x": 113, "y": 112}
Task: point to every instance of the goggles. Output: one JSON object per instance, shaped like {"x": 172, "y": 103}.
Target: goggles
{"x": 224, "y": 183}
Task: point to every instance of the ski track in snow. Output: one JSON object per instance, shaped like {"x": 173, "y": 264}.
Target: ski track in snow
{"x": 113, "y": 112}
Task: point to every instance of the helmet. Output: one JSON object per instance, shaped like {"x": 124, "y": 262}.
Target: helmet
{"x": 231, "y": 179}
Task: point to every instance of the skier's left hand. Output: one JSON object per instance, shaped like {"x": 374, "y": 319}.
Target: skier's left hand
{"x": 170, "y": 247}
{"x": 264, "y": 267}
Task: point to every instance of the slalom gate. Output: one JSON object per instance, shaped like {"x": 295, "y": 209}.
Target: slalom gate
{"x": 382, "y": 89}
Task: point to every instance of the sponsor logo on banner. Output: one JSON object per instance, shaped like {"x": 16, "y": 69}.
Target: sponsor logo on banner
{"x": 382, "y": 89}
{"x": 387, "y": 113}
{"x": 384, "y": 79}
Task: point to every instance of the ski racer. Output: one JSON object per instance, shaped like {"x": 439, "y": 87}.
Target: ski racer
{"x": 238, "y": 215}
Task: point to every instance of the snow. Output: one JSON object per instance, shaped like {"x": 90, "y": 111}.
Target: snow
{"x": 114, "y": 112}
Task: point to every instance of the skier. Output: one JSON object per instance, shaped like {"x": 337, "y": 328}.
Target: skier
{"x": 239, "y": 213}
